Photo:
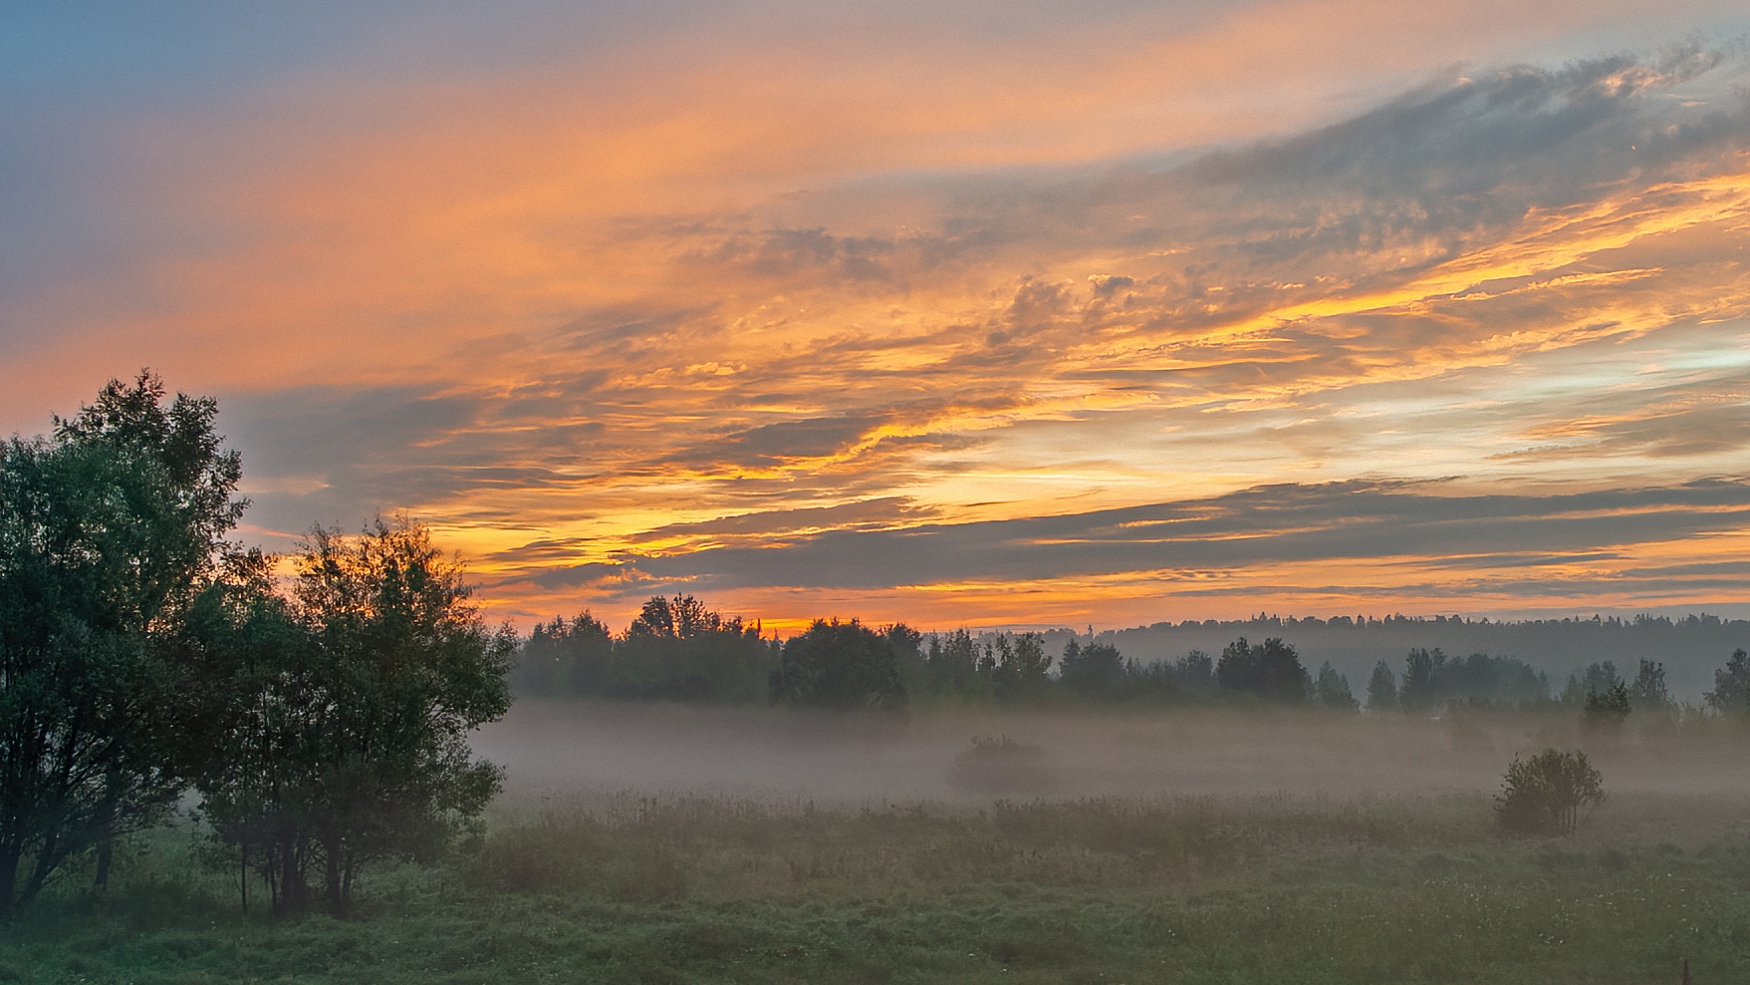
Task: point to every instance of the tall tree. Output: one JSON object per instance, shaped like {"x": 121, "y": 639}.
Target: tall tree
{"x": 1093, "y": 671}
{"x": 1332, "y": 689}
{"x": 1271, "y": 670}
{"x": 679, "y": 649}
{"x": 1731, "y": 693}
{"x": 108, "y": 531}
{"x": 839, "y": 665}
{"x": 1382, "y": 689}
{"x": 1649, "y": 692}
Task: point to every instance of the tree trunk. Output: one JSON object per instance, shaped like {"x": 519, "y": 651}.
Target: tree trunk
{"x": 105, "y": 855}
{"x": 9, "y": 859}
{"x": 332, "y": 887}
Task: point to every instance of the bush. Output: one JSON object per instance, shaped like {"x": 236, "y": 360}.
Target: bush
{"x": 1545, "y": 794}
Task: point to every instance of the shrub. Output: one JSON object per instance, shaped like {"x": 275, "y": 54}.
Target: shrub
{"x": 1545, "y": 794}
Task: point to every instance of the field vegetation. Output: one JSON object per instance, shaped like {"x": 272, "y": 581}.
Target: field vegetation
{"x": 1181, "y": 889}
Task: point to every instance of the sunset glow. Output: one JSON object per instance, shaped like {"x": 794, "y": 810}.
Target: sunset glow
{"x": 952, "y": 316}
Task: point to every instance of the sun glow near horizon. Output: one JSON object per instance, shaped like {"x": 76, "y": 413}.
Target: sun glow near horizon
{"x": 1051, "y": 320}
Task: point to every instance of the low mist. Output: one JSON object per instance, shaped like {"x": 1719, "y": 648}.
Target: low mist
{"x": 559, "y": 751}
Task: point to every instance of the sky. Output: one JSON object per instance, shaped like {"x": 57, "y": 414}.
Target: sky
{"x": 1025, "y": 314}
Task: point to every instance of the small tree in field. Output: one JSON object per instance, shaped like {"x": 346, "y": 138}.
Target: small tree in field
{"x": 1545, "y": 794}
{"x": 348, "y": 711}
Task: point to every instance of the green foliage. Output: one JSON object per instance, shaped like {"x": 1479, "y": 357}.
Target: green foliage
{"x": 1002, "y": 765}
{"x": 1546, "y": 793}
{"x": 108, "y": 530}
{"x": 839, "y": 665}
{"x": 345, "y": 720}
{"x": 1270, "y": 670}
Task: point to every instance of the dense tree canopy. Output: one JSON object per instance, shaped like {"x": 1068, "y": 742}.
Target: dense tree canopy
{"x": 839, "y": 665}
{"x": 347, "y": 724}
{"x": 110, "y": 530}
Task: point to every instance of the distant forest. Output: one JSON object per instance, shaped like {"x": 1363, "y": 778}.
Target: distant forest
{"x": 1690, "y": 648}
{"x": 678, "y": 649}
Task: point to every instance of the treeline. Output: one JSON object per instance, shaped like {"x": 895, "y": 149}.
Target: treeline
{"x": 1690, "y": 647}
{"x": 678, "y": 649}
{"x": 318, "y": 711}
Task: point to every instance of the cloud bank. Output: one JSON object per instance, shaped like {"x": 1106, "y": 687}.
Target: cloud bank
{"x": 832, "y": 328}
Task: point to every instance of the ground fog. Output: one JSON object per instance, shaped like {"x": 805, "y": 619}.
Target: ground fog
{"x": 558, "y": 751}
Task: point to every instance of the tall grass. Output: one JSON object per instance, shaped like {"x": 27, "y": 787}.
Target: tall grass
{"x": 1230, "y": 890}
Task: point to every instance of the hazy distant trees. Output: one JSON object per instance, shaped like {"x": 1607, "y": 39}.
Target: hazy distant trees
{"x": 1271, "y": 670}
{"x": 1092, "y": 671}
{"x": 1332, "y": 689}
{"x": 839, "y": 665}
{"x": 1382, "y": 689}
{"x": 1432, "y": 680}
{"x": 570, "y": 658}
{"x": 677, "y": 649}
{"x": 1649, "y": 693}
{"x": 1731, "y": 693}
{"x": 1596, "y": 678}
{"x": 109, "y": 530}
{"x": 1604, "y": 712}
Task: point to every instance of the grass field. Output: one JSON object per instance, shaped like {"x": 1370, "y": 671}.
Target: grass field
{"x": 1264, "y": 889}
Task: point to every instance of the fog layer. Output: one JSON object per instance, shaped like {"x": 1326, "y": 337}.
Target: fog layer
{"x": 561, "y": 751}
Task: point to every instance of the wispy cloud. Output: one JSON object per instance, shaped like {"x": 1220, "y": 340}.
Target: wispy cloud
{"x": 1041, "y": 319}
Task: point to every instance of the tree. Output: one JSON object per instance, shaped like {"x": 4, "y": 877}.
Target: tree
{"x": 679, "y": 649}
{"x": 1731, "y": 693}
{"x": 1382, "y": 689}
{"x": 1195, "y": 672}
{"x": 1649, "y": 692}
{"x": 838, "y": 665}
{"x": 349, "y": 711}
{"x": 1023, "y": 670}
{"x": 566, "y": 658}
{"x": 1271, "y": 670}
{"x": 1545, "y": 794}
{"x": 1424, "y": 680}
{"x": 1595, "y": 679}
{"x": 1092, "y": 671}
{"x": 108, "y": 531}
{"x": 1605, "y": 711}
{"x": 1332, "y": 689}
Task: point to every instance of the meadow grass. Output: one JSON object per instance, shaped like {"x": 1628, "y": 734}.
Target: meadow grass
{"x": 1264, "y": 889}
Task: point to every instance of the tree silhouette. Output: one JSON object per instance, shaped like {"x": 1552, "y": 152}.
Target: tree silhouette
{"x": 838, "y": 665}
{"x": 346, "y": 741}
{"x": 1382, "y": 689}
{"x": 1731, "y": 693}
{"x": 108, "y": 532}
{"x": 1332, "y": 689}
{"x": 1271, "y": 670}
